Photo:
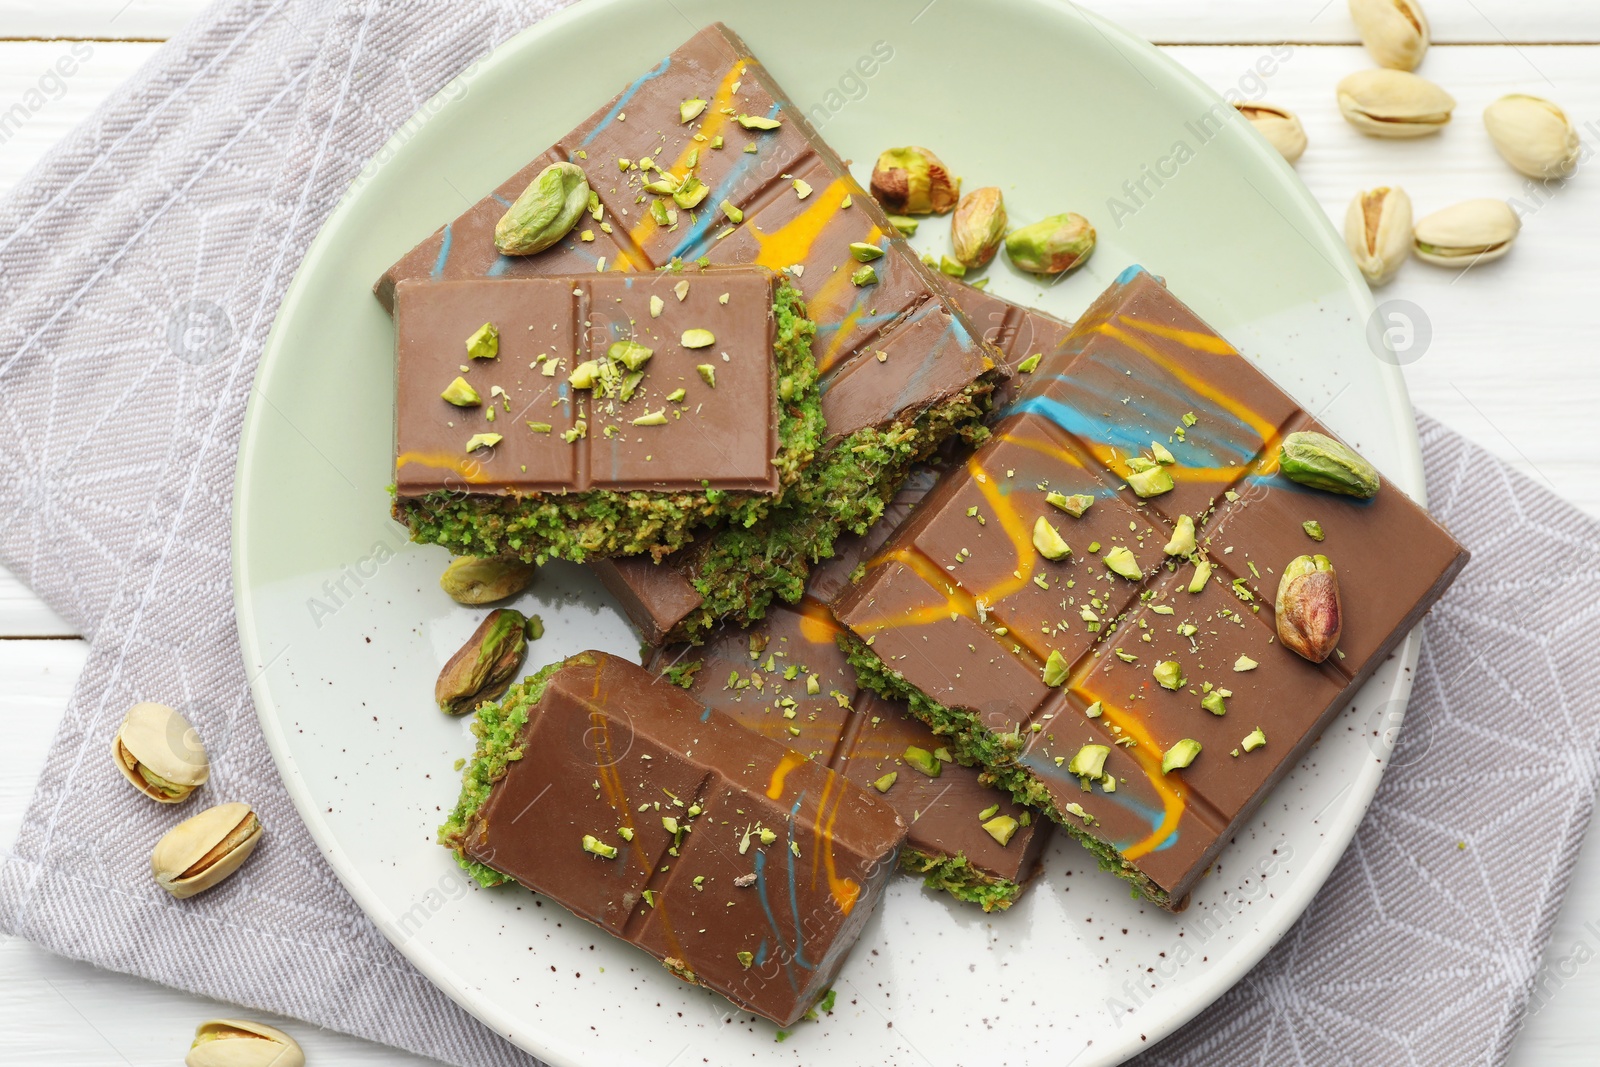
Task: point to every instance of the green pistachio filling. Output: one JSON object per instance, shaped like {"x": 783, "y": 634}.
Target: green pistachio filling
{"x": 957, "y": 876}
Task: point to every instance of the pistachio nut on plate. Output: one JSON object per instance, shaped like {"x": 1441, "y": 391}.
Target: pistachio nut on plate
{"x": 484, "y": 667}
{"x": 202, "y": 851}
{"x": 1318, "y": 461}
{"x": 1468, "y": 233}
{"x": 157, "y": 750}
{"x": 1378, "y": 230}
{"x": 1394, "y": 31}
{"x": 1280, "y": 126}
{"x": 1533, "y": 135}
{"x": 977, "y": 227}
{"x": 242, "y": 1043}
{"x": 470, "y": 580}
{"x": 1053, "y": 245}
{"x": 1309, "y": 613}
{"x": 914, "y": 181}
{"x": 545, "y": 212}
{"x": 1394, "y": 104}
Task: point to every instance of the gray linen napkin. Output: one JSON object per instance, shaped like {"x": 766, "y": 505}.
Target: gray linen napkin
{"x": 140, "y": 268}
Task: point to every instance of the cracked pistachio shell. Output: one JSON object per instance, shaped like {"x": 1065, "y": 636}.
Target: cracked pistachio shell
{"x": 200, "y": 852}
{"x": 469, "y": 580}
{"x": 1378, "y": 230}
{"x": 1394, "y": 104}
{"x": 914, "y": 181}
{"x": 1394, "y": 31}
{"x": 1533, "y": 135}
{"x": 978, "y": 226}
{"x": 1310, "y": 616}
{"x": 160, "y": 753}
{"x": 242, "y": 1043}
{"x": 545, "y": 212}
{"x": 1278, "y": 125}
{"x": 1053, "y": 245}
{"x": 1473, "y": 231}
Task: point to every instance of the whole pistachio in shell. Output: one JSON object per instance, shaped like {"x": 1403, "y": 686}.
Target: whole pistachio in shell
{"x": 473, "y": 581}
{"x": 1394, "y": 31}
{"x": 1378, "y": 230}
{"x": 200, "y": 852}
{"x": 157, "y": 750}
{"x": 484, "y": 667}
{"x": 1278, "y": 125}
{"x": 914, "y": 181}
{"x": 1052, "y": 245}
{"x": 545, "y": 212}
{"x": 1310, "y": 616}
{"x": 1533, "y": 135}
{"x": 977, "y": 227}
{"x": 1471, "y": 232}
{"x": 242, "y": 1043}
{"x": 1394, "y": 104}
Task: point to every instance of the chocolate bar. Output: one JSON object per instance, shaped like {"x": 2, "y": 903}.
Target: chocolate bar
{"x": 663, "y": 599}
{"x": 901, "y": 370}
{"x": 598, "y": 413}
{"x": 738, "y": 863}
{"x": 1069, "y": 656}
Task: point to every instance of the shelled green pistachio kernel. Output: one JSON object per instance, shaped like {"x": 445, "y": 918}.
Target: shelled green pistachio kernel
{"x": 913, "y": 181}
{"x": 1089, "y": 761}
{"x": 905, "y": 224}
{"x": 1202, "y": 575}
{"x": 483, "y": 440}
{"x": 988, "y": 813}
{"x": 865, "y": 251}
{"x": 864, "y": 276}
{"x": 1120, "y": 561}
{"x": 596, "y": 847}
{"x": 1317, "y": 460}
{"x": 1053, "y": 245}
{"x": 1001, "y": 828}
{"x": 1182, "y": 542}
{"x": 1254, "y": 740}
{"x": 1169, "y": 674}
{"x": 1180, "y": 755}
{"x": 486, "y": 665}
{"x": 708, "y": 374}
{"x": 690, "y": 109}
{"x": 922, "y": 760}
{"x": 470, "y": 580}
{"x": 545, "y": 212}
{"x": 461, "y": 393}
{"x": 977, "y": 227}
{"x": 951, "y": 268}
{"x": 1150, "y": 482}
{"x": 630, "y": 354}
{"x": 484, "y": 342}
{"x": 1074, "y": 505}
{"x": 1047, "y": 539}
{"x": 1215, "y": 702}
{"x": 1056, "y": 669}
{"x": 697, "y": 339}
{"x": 1029, "y": 365}
{"x": 1313, "y": 529}
{"x": 885, "y": 783}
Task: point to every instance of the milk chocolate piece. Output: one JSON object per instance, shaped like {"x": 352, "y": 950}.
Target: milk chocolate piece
{"x": 659, "y": 442}
{"x": 787, "y": 678}
{"x": 961, "y": 613}
{"x": 738, "y": 863}
{"x": 899, "y": 363}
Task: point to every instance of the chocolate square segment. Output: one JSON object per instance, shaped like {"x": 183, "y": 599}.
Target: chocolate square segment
{"x": 737, "y": 862}
{"x": 723, "y": 438}
{"x": 941, "y": 614}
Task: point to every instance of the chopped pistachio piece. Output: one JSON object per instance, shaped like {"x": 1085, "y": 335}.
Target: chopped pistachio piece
{"x": 1093, "y": 710}
{"x": 1077, "y": 809}
{"x": 596, "y": 847}
{"x": 802, "y": 189}
{"x": 1002, "y": 828}
{"x": 1202, "y": 575}
{"x": 988, "y": 813}
{"x": 585, "y": 374}
{"x": 697, "y": 339}
{"x": 1056, "y": 669}
{"x": 1047, "y": 539}
{"x": 1313, "y": 529}
{"x": 1158, "y": 450}
{"x": 1169, "y": 674}
{"x": 923, "y": 760}
{"x": 1152, "y": 482}
{"x": 540, "y": 427}
{"x": 952, "y": 267}
{"x": 1090, "y": 762}
{"x": 884, "y": 784}
{"x": 653, "y": 418}
{"x": 483, "y": 440}
{"x": 484, "y": 342}
{"x": 735, "y": 215}
{"x": 677, "y": 395}
{"x": 1074, "y": 505}
{"x": 905, "y": 224}
{"x": 691, "y": 109}
{"x": 625, "y": 832}
{"x": 1120, "y": 561}
{"x": 1182, "y": 542}
{"x": 864, "y": 276}
{"x": 758, "y": 122}
{"x": 865, "y": 251}
{"x": 1028, "y": 366}
{"x": 708, "y": 374}
{"x": 461, "y": 393}
{"x": 1254, "y": 740}
{"x": 746, "y": 959}
{"x": 690, "y": 193}
{"x": 630, "y": 354}
{"x": 1245, "y": 663}
{"x": 1179, "y": 755}
{"x": 1214, "y": 702}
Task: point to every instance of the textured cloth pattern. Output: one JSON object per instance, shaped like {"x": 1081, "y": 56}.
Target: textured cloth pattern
{"x": 141, "y": 265}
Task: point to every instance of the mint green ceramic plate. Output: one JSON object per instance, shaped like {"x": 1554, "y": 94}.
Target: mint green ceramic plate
{"x": 346, "y": 626}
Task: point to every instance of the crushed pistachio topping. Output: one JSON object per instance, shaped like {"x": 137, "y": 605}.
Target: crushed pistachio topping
{"x": 1120, "y": 561}
{"x": 1254, "y": 740}
{"x": 708, "y": 374}
{"x": 1214, "y": 702}
{"x": 484, "y": 342}
{"x": 1002, "y": 828}
{"x": 1182, "y": 542}
{"x": 1180, "y": 755}
{"x": 1202, "y": 575}
{"x": 653, "y": 418}
{"x": 1074, "y": 505}
{"x": 1245, "y": 663}
{"x": 1169, "y": 674}
{"x": 735, "y": 215}
{"x": 864, "y": 276}
{"x": 461, "y": 393}
{"x": 1152, "y": 482}
{"x": 1047, "y": 539}
{"x": 885, "y": 783}
{"x": 1056, "y": 669}
{"x": 698, "y": 339}
{"x": 483, "y": 440}
{"x": 596, "y": 847}
{"x": 1313, "y": 529}
{"x": 690, "y": 110}
{"x": 922, "y": 760}
{"x": 1028, "y": 366}
{"x": 865, "y": 251}
{"x": 1090, "y": 761}
{"x": 988, "y": 813}
{"x": 758, "y": 122}
{"x": 1093, "y": 710}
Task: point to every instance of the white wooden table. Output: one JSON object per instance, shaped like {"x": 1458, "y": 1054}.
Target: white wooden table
{"x": 1512, "y": 364}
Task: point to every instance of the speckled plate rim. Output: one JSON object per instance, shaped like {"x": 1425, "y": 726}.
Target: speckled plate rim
{"x": 1174, "y": 1010}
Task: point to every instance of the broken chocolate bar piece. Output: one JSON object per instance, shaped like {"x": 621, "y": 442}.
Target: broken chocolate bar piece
{"x": 740, "y": 864}
{"x": 1086, "y": 608}
{"x": 704, "y": 159}
{"x": 597, "y": 413}
{"x": 787, "y": 678}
